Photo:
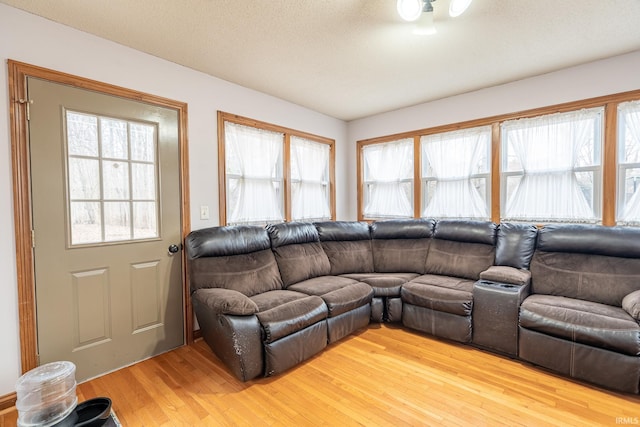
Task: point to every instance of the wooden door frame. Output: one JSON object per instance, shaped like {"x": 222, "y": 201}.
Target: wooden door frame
{"x": 23, "y": 221}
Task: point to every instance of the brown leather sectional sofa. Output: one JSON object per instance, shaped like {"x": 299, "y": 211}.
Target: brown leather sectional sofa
{"x": 565, "y": 297}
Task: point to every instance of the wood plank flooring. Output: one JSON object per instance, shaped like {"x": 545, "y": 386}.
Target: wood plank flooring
{"x": 382, "y": 376}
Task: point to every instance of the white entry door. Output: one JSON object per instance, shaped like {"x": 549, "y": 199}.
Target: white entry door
{"x": 105, "y": 175}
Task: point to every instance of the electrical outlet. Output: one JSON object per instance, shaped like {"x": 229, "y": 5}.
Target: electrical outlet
{"x": 204, "y": 212}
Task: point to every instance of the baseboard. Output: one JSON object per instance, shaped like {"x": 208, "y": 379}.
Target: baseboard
{"x": 7, "y": 401}
{"x": 197, "y": 334}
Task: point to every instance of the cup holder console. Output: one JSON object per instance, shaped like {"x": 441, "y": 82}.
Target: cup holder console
{"x": 495, "y": 315}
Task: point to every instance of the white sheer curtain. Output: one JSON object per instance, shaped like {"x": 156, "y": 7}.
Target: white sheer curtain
{"x": 388, "y": 175}
{"x": 549, "y": 150}
{"x": 630, "y": 114}
{"x": 254, "y": 174}
{"x": 309, "y": 180}
{"x": 451, "y": 158}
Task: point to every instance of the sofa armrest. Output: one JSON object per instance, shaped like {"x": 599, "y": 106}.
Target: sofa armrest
{"x": 503, "y": 274}
{"x": 631, "y": 304}
{"x": 226, "y": 301}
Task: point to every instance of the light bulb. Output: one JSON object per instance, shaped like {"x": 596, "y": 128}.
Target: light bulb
{"x": 457, "y": 7}
{"x": 410, "y": 10}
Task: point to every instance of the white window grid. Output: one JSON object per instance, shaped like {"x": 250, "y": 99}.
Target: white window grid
{"x": 101, "y": 200}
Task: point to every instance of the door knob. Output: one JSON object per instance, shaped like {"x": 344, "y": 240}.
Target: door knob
{"x": 173, "y": 249}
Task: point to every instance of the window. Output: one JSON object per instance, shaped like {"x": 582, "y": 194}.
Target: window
{"x": 628, "y": 211}
{"x": 273, "y": 174}
{"x": 574, "y": 162}
{"x": 310, "y": 187}
{"x": 112, "y": 179}
{"x": 388, "y": 179}
{"x": 254, "y": 175}
{"x": 456, "y": 174}
{"x": 552, "y": 167}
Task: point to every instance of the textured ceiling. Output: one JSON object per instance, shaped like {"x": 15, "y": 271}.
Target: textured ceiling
{"x": 354, "y": 58}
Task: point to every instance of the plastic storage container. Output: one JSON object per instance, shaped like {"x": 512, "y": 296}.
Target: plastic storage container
{"x": 46, "y": 394}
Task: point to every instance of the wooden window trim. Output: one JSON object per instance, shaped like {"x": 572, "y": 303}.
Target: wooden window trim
{"x": 288, "y": 133}
{"x": 609, "y": 167}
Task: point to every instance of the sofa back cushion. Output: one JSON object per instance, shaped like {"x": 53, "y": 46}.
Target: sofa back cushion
{"x": 588, "y": 262}
{"x": 232, "y": 257}
{"x": 461, "y": 248}
{"x": 298, "y": 251}
{"x": 515, "y": 244}
{"x": 401, "y": 245}
{"x": 347, "y": 245}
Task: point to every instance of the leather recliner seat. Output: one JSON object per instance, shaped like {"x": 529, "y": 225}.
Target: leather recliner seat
{"x": 304, "y": 268}
{"x": 440, "y": 302}
{"x": 252, "y": 323}
{"x": 581, "y": 318}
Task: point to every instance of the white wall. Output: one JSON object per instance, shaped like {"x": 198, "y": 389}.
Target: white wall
{"x": 605, "y": 77}
{"x": 28, "y": 38}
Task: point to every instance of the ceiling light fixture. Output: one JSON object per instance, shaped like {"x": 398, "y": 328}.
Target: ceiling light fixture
{"x": 412, "y": 10}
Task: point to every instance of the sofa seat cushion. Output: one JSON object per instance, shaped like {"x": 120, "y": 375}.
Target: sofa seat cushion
{"x": 291, "y": 317}
{"x": 269, "y": 300}
{"x": 348, "y": 298}
{"x": 339, "y": 293}
{"x": 321, "y": 285}
{"x": 440, "y": 293}
{"x": 585, "y": 322}
{"x": 384, "y": 284}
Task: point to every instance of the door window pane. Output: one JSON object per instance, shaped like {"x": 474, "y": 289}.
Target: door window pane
{"x": 144, "y": 215}
{"x": 115, "y": 144}
{"x": 84, "y": 178}
{"x": 115, "y": 180}
{"x": 86, "y": 222}
{"x": 112, "y": 179}
{"x": 82, "y": 134}
{"x": 143, "y": 181}
{"x": 142, "y": 142}
{"x": 117, "y": 223}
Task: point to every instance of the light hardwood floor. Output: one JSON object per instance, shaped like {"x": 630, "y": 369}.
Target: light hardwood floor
{"x": 382, "y": 376}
